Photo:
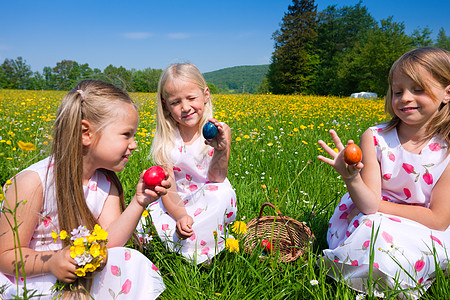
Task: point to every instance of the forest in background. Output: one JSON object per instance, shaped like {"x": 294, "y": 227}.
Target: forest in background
{"x": 336, "y": 51}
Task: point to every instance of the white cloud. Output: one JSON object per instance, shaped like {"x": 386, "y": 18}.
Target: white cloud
{"x": 179, "y": 36}
{"x": 137, "y": 35}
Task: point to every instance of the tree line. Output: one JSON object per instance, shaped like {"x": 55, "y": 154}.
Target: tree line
{"x": 339, "y": 50}
{"x": 17, "y": 74}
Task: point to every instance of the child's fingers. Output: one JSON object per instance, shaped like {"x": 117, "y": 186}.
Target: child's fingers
{"x": 328, "y": 149}
{"x": 336, "y": 140}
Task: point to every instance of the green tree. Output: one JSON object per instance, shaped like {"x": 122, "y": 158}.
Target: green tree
{"x": 421, "y": 38}
{"x": 365, "y": 67}
{"x": 67, "y": 73}
{"x": 145, "y": 80}
{"x": 338, "y": 31}
{"x": 118, "y": 76}
{"x": 443, "y": 41}
{"x": 15, "y": 74}
{"x": 294, "y": 59}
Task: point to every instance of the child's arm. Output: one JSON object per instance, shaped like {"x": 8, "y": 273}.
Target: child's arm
{"x": 29, "y": 197}
{"x": 363, "y": 180}
{"x": 218, "y": 167}
{"x": 120, "y": 226}
{"x": 175, "y": 207}
{"x": 437, "y": 216}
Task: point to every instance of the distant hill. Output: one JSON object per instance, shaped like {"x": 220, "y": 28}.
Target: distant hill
{"x": 242, "y": 79}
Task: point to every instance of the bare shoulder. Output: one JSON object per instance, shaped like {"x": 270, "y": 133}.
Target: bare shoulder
{"x": 26, "y": 185}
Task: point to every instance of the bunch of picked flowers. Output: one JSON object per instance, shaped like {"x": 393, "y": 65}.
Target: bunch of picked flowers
{"x": 88, "y": 249}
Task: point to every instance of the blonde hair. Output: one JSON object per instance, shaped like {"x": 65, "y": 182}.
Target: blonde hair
{"x": 437, "y": 62}
{"x": 166, "y": 126}
{"x": 94, "y": 101}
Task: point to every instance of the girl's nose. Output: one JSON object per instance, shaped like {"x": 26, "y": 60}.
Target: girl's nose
{"x": 407, "y": 96}
{"x": 132, "y": 145}
{"x": 184, "y": 106}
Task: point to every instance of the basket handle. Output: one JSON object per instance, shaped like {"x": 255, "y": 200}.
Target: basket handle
{"x": 271, "y": 205}
{"x": 284, "y": 218}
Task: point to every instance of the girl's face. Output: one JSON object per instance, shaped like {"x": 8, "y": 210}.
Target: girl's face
{"x": 185, "y": 101}
{"x": 411, "y": 103}
{"x": 111, "y": 147}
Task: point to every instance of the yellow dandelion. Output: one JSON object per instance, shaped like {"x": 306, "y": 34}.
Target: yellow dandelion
{"x": 263, "y": 186}
{"x": 100, "y": 232}
{"x": 305, "y": 142}
{"x": 63, "y": 234}
{"x": 269, "y": 144}
{"x": 239, "y": 227}
{"x": 246, "y": 136}
{"x": 89, "y": 267}
{"x": 95, "y": 250}
{"x": 80, "y": 272}
{"x": 145, "y": 213}
{"x": 54, "y": 236}
{"x": 238, "y": 139}
{"x": 232, "y": 245}
{"x": 26, "y": 146}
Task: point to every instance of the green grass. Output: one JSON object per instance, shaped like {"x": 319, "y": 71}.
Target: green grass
{"x": 273, "y": 159}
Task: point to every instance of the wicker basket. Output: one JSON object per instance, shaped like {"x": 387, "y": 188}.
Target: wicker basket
{"x": 288, "y": 236}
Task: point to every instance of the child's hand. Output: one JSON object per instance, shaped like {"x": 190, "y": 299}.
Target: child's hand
{"x": 145, "y": 196}
{"x": 337, "y": 161}
{"x": 62, "y": 266}
{"x": 219, "y": 142}
{"x": 184, "y": 227}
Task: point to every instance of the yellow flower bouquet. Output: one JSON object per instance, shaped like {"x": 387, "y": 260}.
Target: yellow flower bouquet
{"x": 88, "y": 249}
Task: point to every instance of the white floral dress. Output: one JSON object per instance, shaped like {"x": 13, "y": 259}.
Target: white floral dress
{"x": 128, "y": 274}
{"x": 212, "y": 205}
{"x": 403, "y": 248}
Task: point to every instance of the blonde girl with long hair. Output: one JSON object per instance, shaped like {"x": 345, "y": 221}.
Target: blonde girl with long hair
{"x": 400, "y": 191}
{"x": 77, "y": 185}
{"x": 192, "y": 218}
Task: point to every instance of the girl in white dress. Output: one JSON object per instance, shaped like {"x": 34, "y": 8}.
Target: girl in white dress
{"x": 400, "y": 189}
{"x": 192, "y": 218}
{"x": 77, "y": 185}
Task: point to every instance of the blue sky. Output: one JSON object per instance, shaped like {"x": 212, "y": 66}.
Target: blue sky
{"x": 212, "y": 34}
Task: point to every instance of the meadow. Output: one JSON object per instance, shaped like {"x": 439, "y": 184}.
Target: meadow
{"x": 273, "y": 159}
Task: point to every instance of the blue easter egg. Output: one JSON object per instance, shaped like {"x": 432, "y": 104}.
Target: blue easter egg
{"x": 209, "y": 130}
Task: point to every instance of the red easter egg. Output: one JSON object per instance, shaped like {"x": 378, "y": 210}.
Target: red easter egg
{"x": 266, "y": 245}
{"x": 154, "y": 176}
{"x": 352, "y": 154}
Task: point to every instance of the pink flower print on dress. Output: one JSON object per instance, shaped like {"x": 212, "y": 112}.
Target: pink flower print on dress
{"x": 210, "y": 153}
{"x": 387, "y": 176}
{"x": 387, "y": 237}
{"x": 386, "y": 198}
{"x": 177, "y": 169}
{"x": 200, "y": 167}
{"x": 376, "y": 265}
{"x": 115, "y": 270}
{"x": 420, "y": 280}
{"x": 419, "y": 265}
{"x": 202, "y": 243}
{"x": 356, "y": 223}
{"x": 197, "y": 212}
{"x": 188, "y": 177}
{"x": 366, "y": 245}
{"x": 436, "y": 239}
{"x": 347, "y": 233}
{"x": 229, "y": 214}
{"x": 354, "y": 262}
{"x": 192, "y": 237}
{"x": 408, "y": 168}
{"x": 375, "y": 141}
{"x": 193, "y": 187}
{"x": 392, "y": 157}
{"x": 344, "y": 216}
{"x": 164, "y": 227}
{"x": 428, "y": 178}
{"x": 407, "y": 193}
{"x": 180, "y": 148}
{"x": 93, "y": 187}
{"x": 127, "y": 254}
{"x": 47, "y": 221}
{"x": 154, "y": 268}
{"x": 126, "y": 287}
{"x": 205, "y": 251}
{"x": 342, "y": 207}
{"x": 220, "y": 227}
{"x": 51, "y": 165}
{"x": 395, "y": 219}
{"x": 434, "y": 147}
{"x": 368, "y": 223}
{"x": 213, "y": 188}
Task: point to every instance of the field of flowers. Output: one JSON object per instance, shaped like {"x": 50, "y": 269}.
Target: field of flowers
{"x": 273, "y": 159}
